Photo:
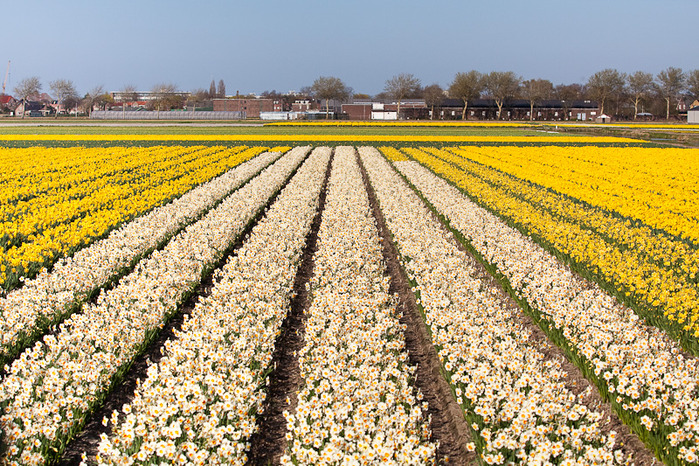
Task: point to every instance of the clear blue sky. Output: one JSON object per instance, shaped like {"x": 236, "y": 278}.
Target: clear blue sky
{"x": 258, "y": 45}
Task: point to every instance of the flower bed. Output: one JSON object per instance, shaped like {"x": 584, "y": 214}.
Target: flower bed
{"x": 26, "y": 312}
{"x": 52, "y": 387}
{"x": 652, "y": 386}
{"x": 514, "y": 398}
{"x": 356, "y": 403}
{"x": 200, "y": 402}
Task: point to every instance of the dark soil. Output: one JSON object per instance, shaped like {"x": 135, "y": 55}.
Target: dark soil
{"x": 269, "y": 443}
{"x": 447, "y": 422}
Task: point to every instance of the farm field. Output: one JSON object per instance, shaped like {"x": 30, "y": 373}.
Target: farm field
{"x": 339, "y": 295}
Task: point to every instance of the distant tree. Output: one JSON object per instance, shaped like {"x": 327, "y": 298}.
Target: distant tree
{"x": 606, "y": 84}
{"x": 434, "y": 96}
{"x": 26, "y": 88}
{"x": 693, "y": 84}
{"x": 221, "y": 89}
{"x": 567, "y": 94}
{"x": 401, "y": 86}
{"x": 129, "y": 93}
{"x": 640, "y": 86}
{"x": 671, "y": 83}
{"x": 212, "y": 89}
{"x": 536, "y": 90}
{"x": 357, "y": 95}
{"x": 330, "y": 87}
{"x": 92, "y": 98}
{"x": 502, "y": 85}
{"x": 467, "y": 86}
{"x": 72, "y": 102}
{"x": 198, "y": 98}
{"x": 165, "y": 97}
{"x": 62, "y": 89}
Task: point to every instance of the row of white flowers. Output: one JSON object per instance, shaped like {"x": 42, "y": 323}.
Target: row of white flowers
{"x": 514, "y": 397}
{"x": 199, "y": 403}
{"x": 356, "y": 404}
{"x": 51, "y": 386}
{"x": 641, "y": 368}
{"x": 46, "y": 298}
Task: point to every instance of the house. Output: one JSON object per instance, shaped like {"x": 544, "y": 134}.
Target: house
{"x": 7, "y": 103}
{"x": 693, "y": 114}
{"x": 33, "y": 109}
{"x": 519, "y": 109}
{"x": 366, "y": 109}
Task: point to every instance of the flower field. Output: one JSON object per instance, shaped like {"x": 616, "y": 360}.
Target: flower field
{"x": 557, "y": 287}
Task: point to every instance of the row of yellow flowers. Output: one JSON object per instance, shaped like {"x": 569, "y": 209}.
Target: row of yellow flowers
{"x": 665, "y": 294}
{"x": 656, "y": 186}
{"x": 56, "y": 197}
{"x": 54, "y": 229}
{"x": 639, "y": 369}
{"x": 26, "y": 312}
{"x": 326, "y": 138}
{"x": 561, "y": 191}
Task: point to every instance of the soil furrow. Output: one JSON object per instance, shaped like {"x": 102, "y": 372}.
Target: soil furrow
{"x": 269, "y": 443}
{"x": 574, "y": 380}
{"x": 122, "y": 392}
{"x": 447, "y": 421}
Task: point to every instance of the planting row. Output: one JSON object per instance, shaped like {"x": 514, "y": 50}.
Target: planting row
{"x": 199, "y": 404}
{"x": 26, "y": 312}
{"x": 642, "y": 372}
{"x": 51, "y": 388}
{"x": 514, "y": 398}
{"x": 55, "y": 224}
{"x": 356, "y": 404}
{"x": 665, "y": 295}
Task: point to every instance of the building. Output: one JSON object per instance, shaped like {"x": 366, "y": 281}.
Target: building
{"x": 33, "y": 109}
{"x": 693, "y": 114}
{"x": 252, "y": 108}
{"x": 120, "y": 96}
{"x": 387, "y": 110}
{"x": 519, "y": 109}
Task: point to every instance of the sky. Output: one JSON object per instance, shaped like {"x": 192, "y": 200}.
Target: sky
{"x": 284, "y": 45}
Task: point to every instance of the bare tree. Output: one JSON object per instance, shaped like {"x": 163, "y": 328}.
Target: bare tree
{"x": 502, "y": 85}
{"x": 467, "y": 86}
{"x": 165, "y": 96}
{"x": 536, "y": 90}
{"x": 693, "y": 84}
{"x": 640, "y": 86}
{"x": 28, "y": 87}
{"x": 221, "y": 89}
{"x": 671, "y": 83}
{"x": 434, "y": 95}
{"x": 129, "y": 93}
{"x": 401, "y": 86}
{"x": 63, "y": 89}
{"x": 606, "y": 84}
{"x": 329, "y": 87}
{"x": 198, "y": 98}
{"x": 212, "y": 89}
{"x": 567, "y": 94}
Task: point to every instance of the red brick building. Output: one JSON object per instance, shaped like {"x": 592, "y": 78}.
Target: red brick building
{"x": 251, "y": 107}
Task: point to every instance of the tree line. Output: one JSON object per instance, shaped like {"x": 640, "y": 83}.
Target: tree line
{"x": 618, "y": 94}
